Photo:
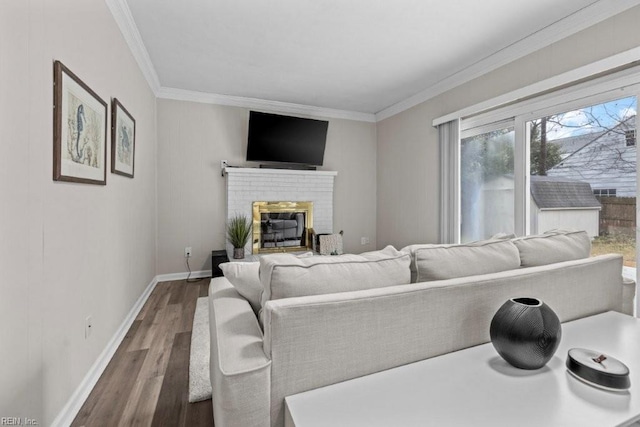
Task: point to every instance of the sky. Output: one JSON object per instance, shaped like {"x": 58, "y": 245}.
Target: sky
{"x": 592, "y": 119}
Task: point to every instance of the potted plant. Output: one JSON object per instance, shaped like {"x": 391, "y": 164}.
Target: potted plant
{"x": 238, "y": 232}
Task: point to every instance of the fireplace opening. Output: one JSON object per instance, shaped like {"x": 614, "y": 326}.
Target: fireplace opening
{"x": 281, "y": 226}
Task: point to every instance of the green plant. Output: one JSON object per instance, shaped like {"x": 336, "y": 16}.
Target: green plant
{"x": 238, "y": 230}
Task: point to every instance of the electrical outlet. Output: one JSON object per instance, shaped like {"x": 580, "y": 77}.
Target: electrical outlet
{"x": 88, "y": 324}
{"x": 364, "y": 240}
{"x": 187, "y": 252}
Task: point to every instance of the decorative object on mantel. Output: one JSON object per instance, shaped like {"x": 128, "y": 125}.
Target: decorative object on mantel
{"x": 79, "y": 130}
{"x": 597, "y": 369}
{"x": 328, "y": 244}
{"x": 238, "y": 232}
{"x": 525, "y": 332}
{"x": 123, "y": 140}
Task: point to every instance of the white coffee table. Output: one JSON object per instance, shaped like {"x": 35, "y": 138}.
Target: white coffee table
{"x": 476, "y": 387}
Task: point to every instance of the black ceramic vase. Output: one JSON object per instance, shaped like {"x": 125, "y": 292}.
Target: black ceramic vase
{"x": 525, "y": 332}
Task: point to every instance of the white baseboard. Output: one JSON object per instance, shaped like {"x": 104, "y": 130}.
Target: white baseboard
{"x": 70, "y": 411}
{"x": 183, "y": 276}
{"x": 77, "y": 399}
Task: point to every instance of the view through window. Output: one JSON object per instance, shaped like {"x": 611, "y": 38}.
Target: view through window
{"x": 583, "y": 174}
{"x": 487, "y": 185}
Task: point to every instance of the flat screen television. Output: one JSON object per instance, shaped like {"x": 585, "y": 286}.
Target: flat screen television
{"x": 285, "y": 139}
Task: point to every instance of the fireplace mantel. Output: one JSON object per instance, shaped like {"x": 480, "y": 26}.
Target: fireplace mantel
{"x": 286, "y": 172}
{"x": 248, "y": 185}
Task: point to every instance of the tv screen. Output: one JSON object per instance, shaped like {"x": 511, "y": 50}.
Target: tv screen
{"x": 276, "y": 138}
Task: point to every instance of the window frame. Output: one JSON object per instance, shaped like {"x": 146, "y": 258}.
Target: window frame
{"x": 608, "y": 192}
{"x": 572, "y": 90}
{"x": 547, "y": 105}
{"x": 630, "y": 137}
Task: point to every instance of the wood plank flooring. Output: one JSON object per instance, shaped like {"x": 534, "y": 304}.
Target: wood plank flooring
{"x": 147, "y": 381}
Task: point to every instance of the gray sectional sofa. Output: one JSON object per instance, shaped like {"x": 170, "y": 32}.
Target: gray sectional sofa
{"x": 331, "y": 319}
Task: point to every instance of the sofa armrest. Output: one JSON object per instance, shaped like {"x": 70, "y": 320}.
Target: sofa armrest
{"x": 628, "y": 295}
{"x": 240, "y": 371}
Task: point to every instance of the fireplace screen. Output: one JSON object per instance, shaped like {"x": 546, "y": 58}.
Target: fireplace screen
{"x": 281, "y": 226}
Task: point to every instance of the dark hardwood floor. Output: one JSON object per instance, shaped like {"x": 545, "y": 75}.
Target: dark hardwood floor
{"x": 147, "y": 381}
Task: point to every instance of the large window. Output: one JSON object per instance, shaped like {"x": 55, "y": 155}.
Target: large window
{"x": 542, "y": 169}
{"x": 540, "y": 158}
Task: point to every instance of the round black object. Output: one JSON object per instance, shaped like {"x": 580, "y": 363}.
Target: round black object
{"x": 525, "y": 332}
{"x": 598, "y": 369}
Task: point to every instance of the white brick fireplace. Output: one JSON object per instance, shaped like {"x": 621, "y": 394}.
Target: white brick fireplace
{"x": 248, "y": 185}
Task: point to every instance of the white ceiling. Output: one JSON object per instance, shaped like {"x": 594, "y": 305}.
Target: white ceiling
{"x": 355, "y": 55}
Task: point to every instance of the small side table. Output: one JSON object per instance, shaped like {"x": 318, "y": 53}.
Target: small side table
{"x": 217, "y": 258}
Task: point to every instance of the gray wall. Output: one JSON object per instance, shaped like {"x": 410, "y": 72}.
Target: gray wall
{"x": 408, "y": 154}
{"x": 194, "y": 137}
{"x": 67, "y": 250}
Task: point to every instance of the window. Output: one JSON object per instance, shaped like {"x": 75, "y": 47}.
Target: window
{"x": 630, "y": 137}
{"x": 577, "y": 151}
{"x": 487, "y": 184}
{"x": 572, "y": 140}
{"x": 514, "y": 171}
{"x": 604, "y": 192}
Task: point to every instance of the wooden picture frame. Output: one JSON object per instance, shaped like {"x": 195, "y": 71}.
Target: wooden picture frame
{"x": 79, "y": 130}
{"x": 123, "y": 140}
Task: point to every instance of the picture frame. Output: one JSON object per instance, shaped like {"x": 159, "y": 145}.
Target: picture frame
{"x": 79, "y": 130}
{"x": 123, "y": 140}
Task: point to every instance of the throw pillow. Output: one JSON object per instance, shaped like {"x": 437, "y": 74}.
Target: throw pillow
{"x": 244, "y": 277}
{"x": 286, "y": 276}
{"x": 553, "y": 246}
{"x": 441, "y": 262}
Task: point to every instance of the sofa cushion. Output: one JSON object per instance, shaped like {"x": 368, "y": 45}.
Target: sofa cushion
{"x": 440, "y": 262}
{"x": 244, "y": 276}
{"x": 286, "y": 276}
{"x": 553, "y": 246}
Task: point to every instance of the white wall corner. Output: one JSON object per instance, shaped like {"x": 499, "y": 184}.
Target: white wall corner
{"x": 123, "y": 17}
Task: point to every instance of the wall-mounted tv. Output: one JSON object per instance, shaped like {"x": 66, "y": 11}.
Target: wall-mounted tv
{"x": 276, "y": 138}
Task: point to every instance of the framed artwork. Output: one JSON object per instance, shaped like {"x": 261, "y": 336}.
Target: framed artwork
{"x": 79, "y": 130}
{"x": 123, "y": 140}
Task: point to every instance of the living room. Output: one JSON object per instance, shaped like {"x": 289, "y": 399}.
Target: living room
{"x": 73, "y": 251}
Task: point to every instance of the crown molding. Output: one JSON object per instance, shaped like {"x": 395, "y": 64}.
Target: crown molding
{"x": 229, "y": 170}
{"x": 122, "y": 15}
{"x": 594, "y": 74}
{"x": 584, "y": 18}
{"x": 590, "y": 15}
{"x": 262, "y": 104}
